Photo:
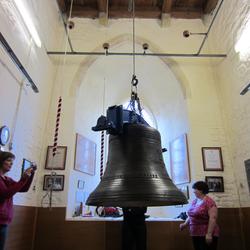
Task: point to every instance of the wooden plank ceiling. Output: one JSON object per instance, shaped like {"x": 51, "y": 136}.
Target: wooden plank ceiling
{"x": 187, "y": 9}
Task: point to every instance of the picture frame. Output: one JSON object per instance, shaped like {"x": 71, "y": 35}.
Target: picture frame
{"x": 85, "y": 155}
{"x": 58, "y": 161}
{"x": 179, "y": 160}
{"x": 57, "y": 180}
{"x": 80, "y": 184}
{"x": 212, "y": 159}
{"x": 215, "y": 184}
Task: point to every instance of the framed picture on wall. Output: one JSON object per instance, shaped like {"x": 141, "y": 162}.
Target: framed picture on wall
{"x": 215, "y": 183}
{"x": 58, "y": 161}
{"x": 179, "y": 160}
{"x": 85, "y": 155}
{"x": 56, "y": 181}
{"x": 212, "y": 159}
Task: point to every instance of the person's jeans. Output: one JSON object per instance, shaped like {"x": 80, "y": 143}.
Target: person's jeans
{"x": 199, "y": 243}
{"x": 3, "y": 235}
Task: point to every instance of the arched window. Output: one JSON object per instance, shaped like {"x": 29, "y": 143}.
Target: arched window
{"x": 147, "y": 116}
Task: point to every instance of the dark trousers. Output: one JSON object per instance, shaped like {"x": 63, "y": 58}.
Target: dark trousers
{"x": 199, "y": 243}
{"x": 134, "y": 235}
{"x": 3, "y": 235}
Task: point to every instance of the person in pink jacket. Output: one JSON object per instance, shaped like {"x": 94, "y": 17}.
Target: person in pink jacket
{"x": 8, "y": 188}
{"x": 202, "y": 219}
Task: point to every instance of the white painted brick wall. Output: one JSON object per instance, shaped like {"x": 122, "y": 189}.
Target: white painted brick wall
{"x": 31, "y": 118}
{"x": 217, "y": 115}
{"x": 232, "y": 75}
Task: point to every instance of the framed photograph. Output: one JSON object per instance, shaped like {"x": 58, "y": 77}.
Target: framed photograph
{"x": 215, "y": 183}
{"x": 179, "y": 160}
{"x": 80, "y": 184}
{"x": 56, "y": 181}
{"x": 212, "y": 159}
{"x": 58, "y": 161}
{"x": 25, "y": 165}
{"x": 85, "y": 155}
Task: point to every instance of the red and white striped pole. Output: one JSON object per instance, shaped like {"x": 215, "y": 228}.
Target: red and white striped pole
{"x": 102, "y": 155}
{"x": 59, "y": 109}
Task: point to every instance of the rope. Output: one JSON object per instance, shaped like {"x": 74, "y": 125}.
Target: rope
{"x": 49, "y": 192}
{"x": 134, "y": 101}
{"x": 134, "y": 81}
{"x": 102, "y": 135}
{"x": 133, "y": 37}
{"x": 59, "y": 109}
{"x": 102, "y": 154}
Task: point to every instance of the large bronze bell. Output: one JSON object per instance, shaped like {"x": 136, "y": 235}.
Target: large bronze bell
{"x": 135, "y": 175}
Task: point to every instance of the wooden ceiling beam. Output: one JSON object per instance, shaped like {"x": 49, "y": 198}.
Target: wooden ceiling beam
{"x": 121, "y": 13}
{"x": 103, "y": 11}
{"x": 209, "y": 6}
{"x": 116, "y": 12}
{"x": 62, "y": 5}
{"x": 102, "y": 5}
{"x": 193, "y": 14}
{"x": 167, "y": 6}
{"x": 84, "y": 12}
{"x": 140, "y": 12}
{"x": 166, "y": 13}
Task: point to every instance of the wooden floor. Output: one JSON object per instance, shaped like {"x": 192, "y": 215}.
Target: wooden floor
{"x": 41, "y": 229}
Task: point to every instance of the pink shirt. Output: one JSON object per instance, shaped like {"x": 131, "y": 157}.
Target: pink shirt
{"x": 199, "y": 218}
{"x": 8, "y": 188}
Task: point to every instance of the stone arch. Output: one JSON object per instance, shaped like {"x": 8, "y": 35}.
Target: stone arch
{"x": 118, "y": 41}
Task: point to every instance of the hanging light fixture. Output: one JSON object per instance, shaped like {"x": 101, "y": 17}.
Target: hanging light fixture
{"x": 135, "y": 175}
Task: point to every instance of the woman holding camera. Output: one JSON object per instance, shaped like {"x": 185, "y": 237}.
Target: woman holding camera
{"x": 8, "y": 188}
{"x": 202, "y": 217}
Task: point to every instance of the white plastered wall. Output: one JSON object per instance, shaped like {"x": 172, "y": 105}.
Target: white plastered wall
{"x": 197, "y": 87}
{"x": 212, "y": 114}
{"x": 22, "y": 110}
{"x": 232, "y": 75}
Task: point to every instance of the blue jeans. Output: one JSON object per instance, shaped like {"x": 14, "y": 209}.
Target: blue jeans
{"x": 3, "y": 235}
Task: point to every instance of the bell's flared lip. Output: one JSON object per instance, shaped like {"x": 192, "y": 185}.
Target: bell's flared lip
{"x": 136, "y": 202}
